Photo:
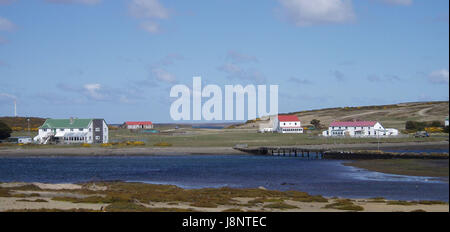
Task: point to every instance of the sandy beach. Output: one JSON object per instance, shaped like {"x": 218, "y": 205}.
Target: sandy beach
{"x": 143, "y": 151}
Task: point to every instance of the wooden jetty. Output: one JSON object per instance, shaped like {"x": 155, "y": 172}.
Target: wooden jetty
{"x": 284, "y": 151}
{"x": 337, "y": 155}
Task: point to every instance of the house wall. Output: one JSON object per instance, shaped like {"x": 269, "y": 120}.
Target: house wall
{"x": 289, "y": 126}
{"x": 134, "y": 127}
{"x": 103, "y": 132}
{"x": 366, "y": 131}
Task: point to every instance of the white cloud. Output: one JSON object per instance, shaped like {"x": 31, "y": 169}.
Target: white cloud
{"x": 162, "y": 75}
{"x": 8, "y": 96}
{"x": 307, "y": 12}
{"x": 150, "y": 9}
{"x": 439, "y": 77}
{"x": 385, "y": 78}
{"x": 398, "y": 2}
{"x": 98, "y": 92}
{"x": 6, "y": 25}
{"x": 92, "y": 91}
{"x": 151, "y": 27}
{"x": 86, "y": 2}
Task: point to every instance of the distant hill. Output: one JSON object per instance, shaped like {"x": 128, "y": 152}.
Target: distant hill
{"x": 392, "y": 116}
{"x": 22, "y": 122}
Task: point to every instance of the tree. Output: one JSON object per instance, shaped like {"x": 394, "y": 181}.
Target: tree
{"x": 5, "y": 131}
{"x": 316, "y": 123}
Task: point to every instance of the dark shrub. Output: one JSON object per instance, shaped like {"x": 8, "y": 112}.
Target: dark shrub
{"x": 5, "y": 131}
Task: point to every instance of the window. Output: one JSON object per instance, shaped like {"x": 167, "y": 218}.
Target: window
{"x": 61, "y": 129}
{"x": 97, "y": 129}
{"x": 44, "y": 130}
{"x": 80, "y": 129}
{"x": 90, "y": 129}
{"x": 97, "y": 137}
{"x": 71, "y": 129}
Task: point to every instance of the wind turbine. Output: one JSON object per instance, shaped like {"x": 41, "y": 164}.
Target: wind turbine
{"x": 15, "y": 108}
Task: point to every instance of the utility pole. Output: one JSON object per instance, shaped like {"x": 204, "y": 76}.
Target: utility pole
{"x": 28, "y": 120}
{"x": 15, "y": 108}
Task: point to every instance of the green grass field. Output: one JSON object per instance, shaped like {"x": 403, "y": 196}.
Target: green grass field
{"x": 230, "y": 137}
{"x": 187, "y": 137}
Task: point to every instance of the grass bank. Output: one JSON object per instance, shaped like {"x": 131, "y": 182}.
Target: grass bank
{"x": 410, "y": 167}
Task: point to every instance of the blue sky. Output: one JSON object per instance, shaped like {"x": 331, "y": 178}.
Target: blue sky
{"x": 118, "y": 59}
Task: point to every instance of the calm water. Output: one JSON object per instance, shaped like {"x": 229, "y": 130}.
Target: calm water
{"x": 324, "y": 177}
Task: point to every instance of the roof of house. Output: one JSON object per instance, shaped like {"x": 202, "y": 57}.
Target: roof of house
{"x": 139, "y": 123}
{"x": 288, "y": 118}
{"x": 354, "y": 123}
{"x": 66, "y": 123}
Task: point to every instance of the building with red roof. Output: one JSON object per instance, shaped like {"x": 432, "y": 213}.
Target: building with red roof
{"x": 288, "y": 124}
{"x": 138, "y": 125}
{"x": 358, "y": 129}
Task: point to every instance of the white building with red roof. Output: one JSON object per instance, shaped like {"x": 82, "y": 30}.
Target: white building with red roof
{"x": 359, "y": 129}
{"x": 288, "y": 124}
{"x": 138, "y": 125}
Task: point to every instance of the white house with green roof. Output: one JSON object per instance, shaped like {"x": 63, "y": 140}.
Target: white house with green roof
{"x": 73, "y": 130}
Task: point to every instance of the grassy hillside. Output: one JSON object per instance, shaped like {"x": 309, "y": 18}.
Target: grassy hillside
{"x": 22, "y": 122}
{"x": 391, "y": 116}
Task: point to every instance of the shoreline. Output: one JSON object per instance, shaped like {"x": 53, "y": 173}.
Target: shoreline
{"x": 154, "y": 151}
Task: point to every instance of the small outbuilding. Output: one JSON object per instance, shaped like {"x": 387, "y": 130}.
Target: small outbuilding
{"x": 23, "y": 140}
{"x": 288, "y": 124}
{"x": 138, "y": 125}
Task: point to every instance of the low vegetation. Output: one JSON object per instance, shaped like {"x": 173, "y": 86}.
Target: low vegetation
{"x": 377, "y": 200}
{"x": 420, "y": 126}
{"x": 401, "y": 203}
{"x": 280, "y": 205}
{"x": 344, "y": 204}
{"x": 5, "y": 131}
{"x": 410, "y": 167}
{"x": 140, "y": 197}
{"x": 163, "y": 144}
{"x": 125, "y": 194}
{"x": 37, "y": 200}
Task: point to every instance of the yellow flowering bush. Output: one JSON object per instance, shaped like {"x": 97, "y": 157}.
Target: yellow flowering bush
{"x": 163, "y": 144}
